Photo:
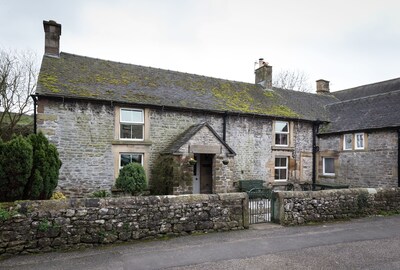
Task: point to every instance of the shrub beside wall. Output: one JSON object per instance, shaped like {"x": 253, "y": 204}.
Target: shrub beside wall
{"x": 297, "y": 207}
{"x": 39, "y": 226}
{"x": 28, "y": 168}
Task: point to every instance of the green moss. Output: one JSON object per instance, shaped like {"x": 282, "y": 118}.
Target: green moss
{"x": 269, "y": 94}
{"x": 243, "y": 101}
{"x": 49, "y": 81}
{"x": 280, "y": 110}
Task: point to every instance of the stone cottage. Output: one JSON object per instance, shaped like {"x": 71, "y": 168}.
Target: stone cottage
{"x": 102, "y": 115}
{"x": 359, "y": 146}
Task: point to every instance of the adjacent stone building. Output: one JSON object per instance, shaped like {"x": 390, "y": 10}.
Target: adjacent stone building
{"x": 102, "y": 115}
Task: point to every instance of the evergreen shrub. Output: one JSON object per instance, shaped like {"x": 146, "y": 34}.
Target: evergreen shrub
{"x": 167, "y": 173}
{"x": 132, "y": 179}
{"x": 28, "y": 168}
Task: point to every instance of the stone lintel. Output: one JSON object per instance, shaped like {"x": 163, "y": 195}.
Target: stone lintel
{"x": 205, "y": 149}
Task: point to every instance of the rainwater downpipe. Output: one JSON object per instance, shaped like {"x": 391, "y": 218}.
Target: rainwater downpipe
{"x": 34, "y": 114}
{"x": 398, "y": 157}
{"x": 224, "y": 126}
{"x": 315, "y": 149}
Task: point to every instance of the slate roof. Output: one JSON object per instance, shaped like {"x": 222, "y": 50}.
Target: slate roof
{"x": 188, "y": 134}
{"x": 368, "y": 90}
{"x": 73, "y": 76}
{"x": 371, "y": 112}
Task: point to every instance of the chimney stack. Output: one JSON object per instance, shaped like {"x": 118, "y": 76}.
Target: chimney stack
{"x": 52, "y": 38}
{"x": 323, "y": 87}
{"x": 264, "y": 74}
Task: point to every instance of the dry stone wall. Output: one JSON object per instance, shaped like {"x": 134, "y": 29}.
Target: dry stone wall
{"x": 301, "y": 207}
{"x": 41, "y": 226}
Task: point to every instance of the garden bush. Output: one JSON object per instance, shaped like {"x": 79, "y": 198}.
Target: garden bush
{"x": 46, "y": 164}
{"x": 167, "y": 173}
{"x": 15, "y": 168}
{"x": 132, "y": 179}
{"x": 28, "y": 168}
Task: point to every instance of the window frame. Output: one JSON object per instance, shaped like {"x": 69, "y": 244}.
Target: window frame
{"x": 356, "y": 141}
{"x": 344, "y": 142}
{"x": 280, "y": 168}
{"x": 287, "y": 133}
{"x": 131, "y": 123}
{"x": 323, "y": 166}
{"x": 130, "y": 153}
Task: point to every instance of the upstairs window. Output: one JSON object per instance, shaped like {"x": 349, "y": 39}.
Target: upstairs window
{"x": 132, "y": 123}
{"x": 328, "y": 166}
{"x": 281, "y": 133}
{"x": 359, "y": 141}
{"x": 348, "y": 142}
{"x": 281, "y": 168}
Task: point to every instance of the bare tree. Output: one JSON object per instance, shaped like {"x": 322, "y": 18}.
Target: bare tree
{"x": 18, "y": 78}
{"x": 292, "y": 80}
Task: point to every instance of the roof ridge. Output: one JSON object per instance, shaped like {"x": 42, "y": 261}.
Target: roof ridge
{"x": 163, "y": 69}
{"x": 366, "y": 97}
{"x": 368, "y": 84}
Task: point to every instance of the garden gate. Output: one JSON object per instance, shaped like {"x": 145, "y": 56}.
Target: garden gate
{"x": 260, "y": 203}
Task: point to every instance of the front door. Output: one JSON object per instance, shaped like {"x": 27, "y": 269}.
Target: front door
{"x": 202, "y": 174}
{"x": 196, "y": 175}
{"x": 206, "y": 161}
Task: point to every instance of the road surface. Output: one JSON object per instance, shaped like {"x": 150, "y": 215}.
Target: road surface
{"x": 368, "y": 243}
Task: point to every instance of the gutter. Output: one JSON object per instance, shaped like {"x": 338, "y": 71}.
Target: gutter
{"x": 34, "y": 97}
{"x": 143, "y": 105}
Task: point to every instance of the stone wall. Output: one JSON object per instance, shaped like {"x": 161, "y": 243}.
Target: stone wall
{"x": 250, "y": 137}
{"x": 86, "y": 136}
{"x": 301, "y": 207}
{"x": 41, "y": 226}
{"x": 375, "y": 166}
{"x": 82, "y": 133}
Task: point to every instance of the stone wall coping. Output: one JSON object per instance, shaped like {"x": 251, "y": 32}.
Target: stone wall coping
{"x": 57, "y": 205}
{"x": 324, "y": 193}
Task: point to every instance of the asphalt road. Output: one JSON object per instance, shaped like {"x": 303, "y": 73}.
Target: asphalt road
{"x": 369, "y": 243}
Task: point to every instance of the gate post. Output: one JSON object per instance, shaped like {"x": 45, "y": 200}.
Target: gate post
{"x": 245, "y": 211}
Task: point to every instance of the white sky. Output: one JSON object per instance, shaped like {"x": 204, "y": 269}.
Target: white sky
{"x": 348, "y": 42}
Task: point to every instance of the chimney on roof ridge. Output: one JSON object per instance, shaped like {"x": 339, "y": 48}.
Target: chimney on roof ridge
{"x": 52, "y": 32}
{"x": 264, "y": 74}
{"x": 323, "y": 87}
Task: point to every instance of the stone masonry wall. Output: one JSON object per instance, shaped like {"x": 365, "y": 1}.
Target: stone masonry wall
{"x": 250, "y": 137}
{"x": 41, "y": 226}
{"x": 376, "y": 166}
{"x": 296, "y": 207}
{"x": 82, "y": 133}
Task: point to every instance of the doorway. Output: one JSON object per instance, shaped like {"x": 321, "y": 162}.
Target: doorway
{"x": 202, "y": 174}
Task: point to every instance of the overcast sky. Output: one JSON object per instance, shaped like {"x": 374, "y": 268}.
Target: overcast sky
{"x": 348, "y": 42}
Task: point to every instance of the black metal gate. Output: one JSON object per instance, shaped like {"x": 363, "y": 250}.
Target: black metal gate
{"x": 260, "y": 206}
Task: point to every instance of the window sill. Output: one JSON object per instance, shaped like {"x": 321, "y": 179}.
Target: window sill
{"x": 127, "y": 142}
{"x": 322, "y": 176}
{"x": 282, "y": 148}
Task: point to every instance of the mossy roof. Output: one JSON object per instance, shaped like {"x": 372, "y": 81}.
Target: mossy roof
{"x": 73, "y": 76}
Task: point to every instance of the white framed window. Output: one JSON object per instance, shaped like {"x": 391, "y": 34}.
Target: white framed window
{"x": 359, "y": 141}
{"x": 328, "y": 166}
{"x": 347, "y": 141}
{"x": 281, "y": 133}
{"x": 281, "y": 169}
{"x": 126, "y": 158}
{"x": 131, "y": 124}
